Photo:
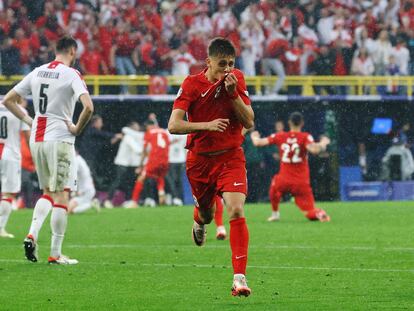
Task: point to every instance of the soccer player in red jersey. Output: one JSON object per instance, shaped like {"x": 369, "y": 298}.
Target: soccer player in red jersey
{"x": 221, "y": 233}
{"x": 217, "y": 107}
{"x": 293, "y": 176}
{"x": 156, "y": 143}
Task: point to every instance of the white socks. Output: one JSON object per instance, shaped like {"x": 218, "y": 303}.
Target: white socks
{"x": 82, "y": 208}
{"x": 5, "y": 210}
{"x": 58, "y": 222}
{"x": 41, "y": 210}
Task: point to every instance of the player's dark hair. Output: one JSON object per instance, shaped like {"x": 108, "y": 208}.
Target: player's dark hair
{"x": 296, "y": 118}
{"x": 65, "y": 43}
{"x": 150, "y": 122}
{"x": 221, "y": 47}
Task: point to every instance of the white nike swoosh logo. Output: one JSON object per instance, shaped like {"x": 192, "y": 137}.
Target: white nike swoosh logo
{"x": 205, "y": 93}
{"x": 240, "y": 257}
{"x": 238, "y": 184}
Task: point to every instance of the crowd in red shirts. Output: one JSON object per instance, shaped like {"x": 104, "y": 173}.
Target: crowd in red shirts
{"x": 170, "y": 37}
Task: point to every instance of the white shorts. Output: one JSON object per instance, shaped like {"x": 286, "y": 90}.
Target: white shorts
{"x": 11, "y": 176}
{"x": 55, "y": 165}
{"x": 85, "y": 198}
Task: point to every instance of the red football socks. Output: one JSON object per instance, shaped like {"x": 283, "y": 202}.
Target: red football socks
{"x": 137, "y": 191}
{"x": 239, "y": 242}
{"x": 218, "y": 216}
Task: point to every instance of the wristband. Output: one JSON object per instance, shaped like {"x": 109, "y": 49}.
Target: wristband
{"x": 233, "y": 96}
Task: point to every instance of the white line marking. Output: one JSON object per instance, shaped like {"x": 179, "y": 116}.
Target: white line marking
{"x": 212, "y": 246}
{"x": 345, "y": 248}
{"x": 179, "y": 265}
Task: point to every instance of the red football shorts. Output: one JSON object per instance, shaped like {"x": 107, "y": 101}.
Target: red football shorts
{"x": 212, "y": 175}
{"x": 301, "y": 191}
{"x": 155, "y": 171}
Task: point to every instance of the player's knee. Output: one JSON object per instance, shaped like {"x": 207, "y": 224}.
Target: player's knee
{"x": 236, "y": 211}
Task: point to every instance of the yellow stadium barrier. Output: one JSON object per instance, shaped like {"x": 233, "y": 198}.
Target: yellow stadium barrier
{"x": 356, "y": 84}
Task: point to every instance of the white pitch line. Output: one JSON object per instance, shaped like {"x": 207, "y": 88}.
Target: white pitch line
{"x": 202, "y": 266}
{"x": 356, "y": 248}
{"x": 212, "y": 246}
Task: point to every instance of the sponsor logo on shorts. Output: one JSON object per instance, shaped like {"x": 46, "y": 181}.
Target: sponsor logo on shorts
{"x": 238, "y": 184}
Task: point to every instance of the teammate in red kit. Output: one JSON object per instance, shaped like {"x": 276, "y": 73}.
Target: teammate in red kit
{"x": 156, "y": 143}
{"x": 217, "y": 107}
{"x": 221, "y": 233}
{"x": 293, "y": 176}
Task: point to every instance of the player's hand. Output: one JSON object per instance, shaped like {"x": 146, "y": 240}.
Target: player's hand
{"x": 230, "y": 83}
{"x": 138, "y": 170}
{"x": 73, "y": 129}
{"x": 255, "y": 135}
{"x": 325, "y": 140}
{"x": 218, "y": 125}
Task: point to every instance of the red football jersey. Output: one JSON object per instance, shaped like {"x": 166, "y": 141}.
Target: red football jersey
{"x": 205, "y": 101}
{"x": 158, "y": 143}
{"x": 293, "y": 154}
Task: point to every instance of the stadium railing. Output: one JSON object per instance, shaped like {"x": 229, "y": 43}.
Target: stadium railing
{"x": 356, "y": 85}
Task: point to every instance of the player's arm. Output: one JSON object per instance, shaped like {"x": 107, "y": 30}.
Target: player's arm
{"x": 316, "y": 148}
{"x": 10, "y": 101}
{"x": 84, "y": 117}
{"x": 177, "y": 124}
{"x": 258, "y": 141}
{"x": 244, "y": 113}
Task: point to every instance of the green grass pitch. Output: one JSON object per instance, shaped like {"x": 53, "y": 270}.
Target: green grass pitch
{"x": 144, "y": 259}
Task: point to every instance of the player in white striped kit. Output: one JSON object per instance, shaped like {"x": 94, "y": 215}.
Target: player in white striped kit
{"x": 10, "y": 163}
{"x": 86, "y": 189}
{"x": 55, "y": 88}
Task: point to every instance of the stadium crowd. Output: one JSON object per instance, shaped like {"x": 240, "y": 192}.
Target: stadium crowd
{"x": 283, "y": 37}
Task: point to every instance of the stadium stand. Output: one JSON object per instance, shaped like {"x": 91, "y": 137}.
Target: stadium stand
{"x": 143, "y": 37}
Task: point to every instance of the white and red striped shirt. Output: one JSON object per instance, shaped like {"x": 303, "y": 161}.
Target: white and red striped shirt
{"x": 55, "y": 89}
{"x": 10, "y": 128}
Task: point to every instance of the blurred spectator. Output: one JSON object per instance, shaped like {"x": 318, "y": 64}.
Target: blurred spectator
{"x": 10, "y": 58}
{"x": 381, "y": 53}
{"x": 323, "y": 66}
{"x": 182, "y": 61}
{"x": 252, "y": 39}
{"x": 202, "y": 22}
{"x": 176, "y": 157}
{"x": 398, "y": 163}
{"x": 92, "y": 146}
{"x": 272, "y": 62}
{"x": 147, "y": 52}
{"x": 362, "y": 65}
{"x": 325, "y": 26}
{"x": 92, "y": 62}
{"x": 392, "y": 69}
{"x": 127, "y": 159}
{"x": 402, "y": 56}
{"x": 124, "y": 53}
{"x": 22, "y": 43}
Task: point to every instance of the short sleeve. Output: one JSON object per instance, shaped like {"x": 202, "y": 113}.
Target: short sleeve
{"x": 78, "y": 85}
{"x": 273, "y": 139}
{"x": 241, "y": 87}
{"x": 309, "y": 139}
{"x": 184, "y": 96}
{"x": 23, "y": 88}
